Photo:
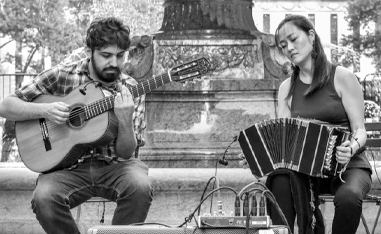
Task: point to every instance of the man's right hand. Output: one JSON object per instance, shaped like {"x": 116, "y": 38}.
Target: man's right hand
{"x": 57, "y": 112}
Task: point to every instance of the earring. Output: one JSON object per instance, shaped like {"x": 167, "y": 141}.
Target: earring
{"x": 313, "y": 52}
{"x": 293, "y": 66}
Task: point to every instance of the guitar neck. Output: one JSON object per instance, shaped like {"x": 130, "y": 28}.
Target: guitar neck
{"x": 107, "y": 103}
{"x": 149, "y": 85}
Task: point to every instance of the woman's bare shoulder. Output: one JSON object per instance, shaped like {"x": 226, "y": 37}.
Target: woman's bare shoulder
{"x": 285, "y": 85}
{"x": 343, "y": 75}
{"x": 345, "y": 81}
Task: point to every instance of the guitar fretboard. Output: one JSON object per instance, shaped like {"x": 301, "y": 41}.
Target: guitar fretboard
{"x": 107, "y": 103}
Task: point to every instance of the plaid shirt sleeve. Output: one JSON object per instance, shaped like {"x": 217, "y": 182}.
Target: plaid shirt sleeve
{"x": 44, "y": 83}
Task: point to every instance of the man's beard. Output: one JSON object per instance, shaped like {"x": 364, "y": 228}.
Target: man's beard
{"x": 108, "y": 74}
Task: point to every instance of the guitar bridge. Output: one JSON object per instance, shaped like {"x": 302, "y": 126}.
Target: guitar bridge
{"x": 45, "y": 134}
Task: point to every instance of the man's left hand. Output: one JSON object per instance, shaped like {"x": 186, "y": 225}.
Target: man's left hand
{"x": 124, "y": 106}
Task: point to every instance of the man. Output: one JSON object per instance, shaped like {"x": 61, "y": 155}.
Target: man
{"x": 109, "y": 171}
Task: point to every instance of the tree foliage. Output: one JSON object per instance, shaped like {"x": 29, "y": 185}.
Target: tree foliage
{"x": 44, "y": 24}
{"x": 144, "y": 17}
{"x": 365, "y": 16}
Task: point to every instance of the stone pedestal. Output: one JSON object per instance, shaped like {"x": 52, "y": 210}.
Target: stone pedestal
{"x": 192, "y": 125}
{"x": 189, "y": 127}
{"x": 206, "y": 19}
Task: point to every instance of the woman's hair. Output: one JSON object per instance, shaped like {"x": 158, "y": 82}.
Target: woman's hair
{"x": 321, "y": 65}
{"x": 107, "y": 31}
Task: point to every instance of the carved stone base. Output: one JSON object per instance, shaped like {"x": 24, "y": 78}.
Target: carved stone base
{"x": 230, "y": 59}
{"x": 191, "y": 125}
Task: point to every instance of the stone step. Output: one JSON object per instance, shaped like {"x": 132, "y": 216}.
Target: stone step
{"x": 177, "y": 192}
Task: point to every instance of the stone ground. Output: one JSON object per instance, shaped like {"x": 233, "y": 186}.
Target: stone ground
{"x": 177, "y": 193}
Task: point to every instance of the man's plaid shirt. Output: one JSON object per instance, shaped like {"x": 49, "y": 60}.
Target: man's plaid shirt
{"x": 61, "y": 80}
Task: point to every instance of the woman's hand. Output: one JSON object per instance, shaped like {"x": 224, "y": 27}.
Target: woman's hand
{"x": 243, "y": 163}
{"x": 343, "y": 152}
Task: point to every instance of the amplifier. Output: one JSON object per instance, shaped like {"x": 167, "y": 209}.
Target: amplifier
{"x": 150, "y": 229}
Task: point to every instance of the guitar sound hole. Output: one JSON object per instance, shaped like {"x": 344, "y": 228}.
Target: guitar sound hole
{"x": 77, "y": 117}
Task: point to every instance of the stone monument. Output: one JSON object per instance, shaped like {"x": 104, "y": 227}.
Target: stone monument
{"x": 192, "y": 125}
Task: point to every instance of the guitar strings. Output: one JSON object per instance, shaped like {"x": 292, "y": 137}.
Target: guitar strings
{"x": 93, "y": 107}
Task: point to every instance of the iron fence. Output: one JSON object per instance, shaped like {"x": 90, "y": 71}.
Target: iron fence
{"x": 371, "y": 87}
{"x": 9, "y": 82}
{"x": 8, "y": 85}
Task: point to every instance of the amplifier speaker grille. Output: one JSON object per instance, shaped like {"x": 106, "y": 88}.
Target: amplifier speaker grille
{"x": 127, "y": 229}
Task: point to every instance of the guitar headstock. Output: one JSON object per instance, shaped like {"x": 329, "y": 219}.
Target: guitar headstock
{"x": 190, "y": 70}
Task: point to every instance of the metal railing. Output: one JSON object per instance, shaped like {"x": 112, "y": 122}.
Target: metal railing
{"x": 8, "y": 84}
{"x": 371, "y": 87}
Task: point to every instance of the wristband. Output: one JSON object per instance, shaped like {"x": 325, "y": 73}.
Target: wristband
{"x": 358, "y": 143}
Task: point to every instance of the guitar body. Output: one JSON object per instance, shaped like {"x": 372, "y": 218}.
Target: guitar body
{"x": 45, "y": 146}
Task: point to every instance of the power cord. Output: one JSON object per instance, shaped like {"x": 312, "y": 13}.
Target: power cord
{"x": 103, "y": 213}
{"x": 270, "y": 197}
{"x": 142, "y": 224}
{"x": 265, "y": 192}
{"x": 216, "y": 182}
{"x": 191, "y": 216}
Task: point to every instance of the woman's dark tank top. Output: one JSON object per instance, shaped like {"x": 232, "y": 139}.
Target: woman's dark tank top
{"x": 324, "y": 105}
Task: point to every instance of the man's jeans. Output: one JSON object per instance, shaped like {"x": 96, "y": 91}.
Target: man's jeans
{"x": 126, "y": 183}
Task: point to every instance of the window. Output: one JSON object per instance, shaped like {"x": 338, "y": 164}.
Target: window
{"x": 311, "y": 17}
{"x": 266, "y": 23}
{"x": 334, "y": 37}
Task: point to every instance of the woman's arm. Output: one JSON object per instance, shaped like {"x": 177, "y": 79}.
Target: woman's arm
{"x": 284, "y": 105}
{"x": 349, "y": 89}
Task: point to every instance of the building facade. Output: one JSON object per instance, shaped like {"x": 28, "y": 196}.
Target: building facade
{"x": 328, "y": 18}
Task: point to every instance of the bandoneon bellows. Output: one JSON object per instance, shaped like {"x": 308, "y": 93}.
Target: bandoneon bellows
{"x": 306, "y": 146}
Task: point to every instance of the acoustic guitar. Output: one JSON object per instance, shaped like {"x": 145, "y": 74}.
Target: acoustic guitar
{"x": 45, "y": 146}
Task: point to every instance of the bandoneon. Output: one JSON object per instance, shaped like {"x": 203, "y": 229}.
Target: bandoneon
{"x": 305, "y": 146}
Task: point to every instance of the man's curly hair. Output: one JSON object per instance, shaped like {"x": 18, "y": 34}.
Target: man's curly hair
{"x": 106, "y": 32}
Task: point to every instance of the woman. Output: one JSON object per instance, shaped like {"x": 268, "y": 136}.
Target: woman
{"x": 323, "y": 91}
